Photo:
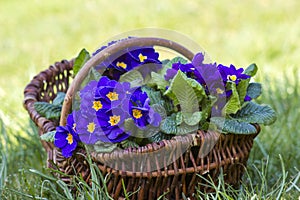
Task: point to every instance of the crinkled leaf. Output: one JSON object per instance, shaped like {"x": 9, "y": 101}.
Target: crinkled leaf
{"x": 134, "y": 77}
{"x": 251, "y": 70}
{"x": 168, "y": 125}
{"x": 157, "y": 137}
{"x": 158, "y": 80}
{"x": 104, "y": 147}
{"x": 242, "y": 89}
{"x": 183, "y": 92}
{"x": 192, "y": 118}
{"x": 59, "y": 99}
{"x": 160, "y": 110}
{"x": 154, "y": 96}
{"x": 129, "y": 144}
{"x": 147, "y": 132}
{"x": 130, "y": 126}
{"x": 179, "y": 118}
{"x": 254, "y": 90}
{"x": 185, "y": 129}
{"x": 199, "y": 90}
{"x": 255, "y": 113}
{"x": 233, "y": 105}
{"x": 48, "y": 110}
{"x": 80, "y": 60}
{"x": 233, "y": 126}
{"x": 49, "y": 136}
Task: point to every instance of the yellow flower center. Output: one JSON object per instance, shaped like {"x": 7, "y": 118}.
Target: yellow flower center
{"x": 97, "y": 105}
{"x": 137, "y": 113}
{"x": 91, "y": 127}
{"x": 219, "y": 91}
{"x": 70, "y": 138}
{"x": 142, "y": 57}
{"x": 122, "y": 64}
{"x": 232, "y": 77}
{"x": 114, "y": 120}
{"x": 112, "y": 96}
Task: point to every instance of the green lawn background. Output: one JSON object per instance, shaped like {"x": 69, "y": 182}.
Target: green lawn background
{"x": 35, "y": 34}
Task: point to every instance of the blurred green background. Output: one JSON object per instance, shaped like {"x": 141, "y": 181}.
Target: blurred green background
{"x": 35, "y": 34}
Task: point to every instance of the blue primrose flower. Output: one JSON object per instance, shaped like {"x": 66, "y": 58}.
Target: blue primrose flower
{"x": 88, "y": 128}
{"x": 231, "y": 74}
{"x": 140, "y": 110}
{"x": 126, "y": 60}
{"x": 112, "y": 125}
{"x": 111, "y": 92}
{"x": 186, "y": 68}
{"x": 66, "y": 137}
{"x": 204, "y": 73}
{"x": 96, "y": 121}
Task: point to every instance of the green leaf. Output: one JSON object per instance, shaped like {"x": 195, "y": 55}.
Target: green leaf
{"x": 183, "y": 92}
{"x": 48, "y": 110}
{"x": 251, "y": 70}
{"x": 192, "y": 119}
{"x": 49, "y": 136}
{"x": 135, "y": 131}
{"x": 160, "y": 110}
{"x": 233, "y": 126}
{"x": 148, "y": 132}
{"x": 255, "y": 113}
{"x": 130, "y": 126}
{"x": 134, "y": 77}
{"x": 129, "y": 144}
{"x": 233, "y": 105}
{"x": 157, "y": 137}
{"x": 242, "y": 89}
{"x": 179, "y": 118}
{"x": 199, "y": 90}
{"x": 168, "y": 125}
{"x": 80, "y": 60}
{"x": 154, "y": 96}
{"x": 254, "y": 90}
{"x": 59, "y": 99}
{"x": 158, "y": 80}
{"x": 185, "y": 129}
{"x": 104, "y": 147}
{"x": 92, "y": 75}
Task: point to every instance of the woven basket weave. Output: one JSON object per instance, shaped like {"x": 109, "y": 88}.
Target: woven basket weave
{"x": 229, "y": 153}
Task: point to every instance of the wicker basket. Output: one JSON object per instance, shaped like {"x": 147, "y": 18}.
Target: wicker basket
{"x": 229, "y": 153}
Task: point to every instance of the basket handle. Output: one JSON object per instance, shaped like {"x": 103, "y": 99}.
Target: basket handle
{"x": 110, "y": 50}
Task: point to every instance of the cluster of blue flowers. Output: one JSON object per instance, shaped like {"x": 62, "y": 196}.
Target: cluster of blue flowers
{"x": 213, "y": 77}
{"x": 106, "y": 104}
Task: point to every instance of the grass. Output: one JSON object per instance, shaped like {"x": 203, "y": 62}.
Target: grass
{"x": 272, "y": 173}
{"x": 35, "y": 34}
